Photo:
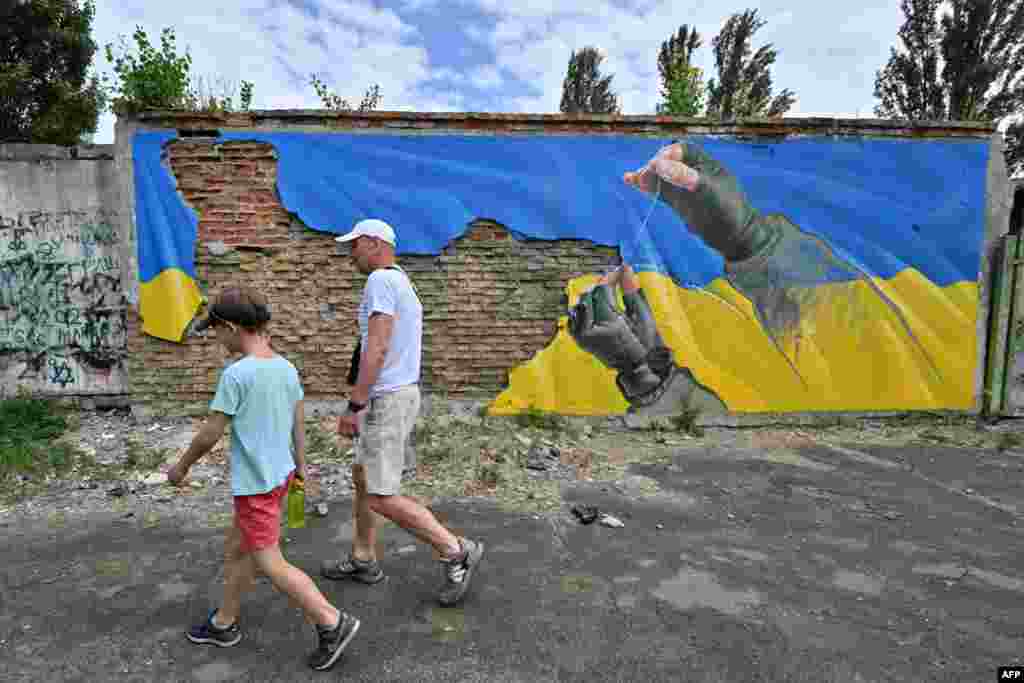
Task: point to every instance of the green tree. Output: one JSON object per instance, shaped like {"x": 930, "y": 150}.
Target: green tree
{"x": 966, "y": 64}
{"x": 370, "y": 101}
{"x": 246, "y": 96}
{"x": 744, "y": 85}
{"x": 685, "y": 95}
{"x": 46, "y": 92}
{"x": 682, "y": 84}
{"x": 585, "y": 90}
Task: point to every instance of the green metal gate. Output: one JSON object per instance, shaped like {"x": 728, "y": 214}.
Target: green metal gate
{"x": 1004, "y": 367}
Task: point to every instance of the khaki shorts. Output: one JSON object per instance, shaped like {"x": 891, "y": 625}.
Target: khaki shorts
{"x": 384, "y": 439}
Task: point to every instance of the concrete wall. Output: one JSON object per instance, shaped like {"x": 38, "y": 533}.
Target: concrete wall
{"x": 62, "y": 303}
{"x": 245, "y": 234}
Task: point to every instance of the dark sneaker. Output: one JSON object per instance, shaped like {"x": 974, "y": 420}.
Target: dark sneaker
{"x": 459, "y": 571}
{"x": 332, "y": 642}
{"x": 364, "y": 571}
{"x": 206, "y": 632}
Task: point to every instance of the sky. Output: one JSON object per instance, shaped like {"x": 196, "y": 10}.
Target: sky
{"x": 497, "y": 55}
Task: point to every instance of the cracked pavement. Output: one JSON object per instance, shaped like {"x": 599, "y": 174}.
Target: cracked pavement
{"x": 789, "y": 562}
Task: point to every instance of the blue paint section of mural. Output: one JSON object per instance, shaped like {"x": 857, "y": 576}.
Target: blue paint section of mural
{"x": 882, "y": 205}
{"x": 570, "y": 187}
{"x": 166, "y": 227}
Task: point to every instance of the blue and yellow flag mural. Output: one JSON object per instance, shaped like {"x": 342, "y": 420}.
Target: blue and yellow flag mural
{"x": 805, "y": 274}
{"x": 166, "y": 241}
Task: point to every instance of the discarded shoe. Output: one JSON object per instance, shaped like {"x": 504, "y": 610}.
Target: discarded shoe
{"x": 585, "y": 513}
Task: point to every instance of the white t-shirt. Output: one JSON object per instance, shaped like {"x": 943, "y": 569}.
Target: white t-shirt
{"x": 389, "y": 290}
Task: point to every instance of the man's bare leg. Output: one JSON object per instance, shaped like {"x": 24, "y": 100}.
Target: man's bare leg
{"x": 364, "y": 535}
{"x": 418, "y": 521}
{"x": 461, "y": 557}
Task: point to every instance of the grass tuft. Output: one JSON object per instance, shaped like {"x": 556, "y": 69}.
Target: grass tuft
{"x": 30, "y": 429}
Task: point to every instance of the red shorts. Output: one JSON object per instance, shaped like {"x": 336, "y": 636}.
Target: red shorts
{"x": 258, "y": 517}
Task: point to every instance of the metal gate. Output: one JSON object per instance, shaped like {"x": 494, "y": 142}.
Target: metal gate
{"x": 1004, "y": 358}
{"x": 1004, "y": 386}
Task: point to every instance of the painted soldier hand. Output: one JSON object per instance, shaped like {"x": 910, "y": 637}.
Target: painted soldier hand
{"x": 707, "y": 197}
{"x": 628, "y": 341}
{"x": 777, "y": 266}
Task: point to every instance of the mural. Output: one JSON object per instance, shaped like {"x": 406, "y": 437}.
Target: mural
{"x": 804, "y": 274}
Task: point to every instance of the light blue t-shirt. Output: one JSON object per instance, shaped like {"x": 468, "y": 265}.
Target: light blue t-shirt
{"x": 389, "y": 290}
{"x": 260, "y": 396}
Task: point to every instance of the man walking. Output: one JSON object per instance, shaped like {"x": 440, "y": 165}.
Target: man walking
{"x": 382, "y": 412}
{"x": 260, "y": 396}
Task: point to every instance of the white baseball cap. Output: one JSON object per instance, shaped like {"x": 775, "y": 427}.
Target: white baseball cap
{"x": 370, "y": 227}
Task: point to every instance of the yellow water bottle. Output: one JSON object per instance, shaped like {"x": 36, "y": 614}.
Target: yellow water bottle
{"x": 297, "y": 504}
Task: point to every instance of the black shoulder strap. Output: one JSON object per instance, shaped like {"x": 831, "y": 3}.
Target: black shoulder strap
{"x": 395, "y": 266}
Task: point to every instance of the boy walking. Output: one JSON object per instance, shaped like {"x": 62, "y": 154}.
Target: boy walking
{"x": 260, "y": 396}
{"x": 382, "y": 411}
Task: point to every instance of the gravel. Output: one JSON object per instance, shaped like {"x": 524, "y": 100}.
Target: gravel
{"x": 111, "y": 438}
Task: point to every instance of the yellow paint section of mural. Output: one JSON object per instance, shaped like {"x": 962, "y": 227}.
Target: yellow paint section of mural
{"x": 168, "y": 303}
{"x": 852, "y": 351}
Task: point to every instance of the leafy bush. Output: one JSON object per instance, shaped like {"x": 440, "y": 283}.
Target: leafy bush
{"x": 160, "y": 79}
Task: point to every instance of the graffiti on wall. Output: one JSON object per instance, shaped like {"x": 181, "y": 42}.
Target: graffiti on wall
{"x": 62, "y": 310}
{"x": 802, "y": 274}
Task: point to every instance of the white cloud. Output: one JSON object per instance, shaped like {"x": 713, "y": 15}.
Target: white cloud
{"x": 486, "y": 77}
{"x": 355, "y": 13}
{"x": 352, "y": 45}
{"x": 828, "y": 58}
{"x": 448, "y": 74}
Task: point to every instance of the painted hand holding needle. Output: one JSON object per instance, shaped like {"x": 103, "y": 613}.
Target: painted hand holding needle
{"x": 707, "y": 197}
{"x": 777, "y": 266}
{"x": 624, "y": 341}
{"x": 628, "y": 341}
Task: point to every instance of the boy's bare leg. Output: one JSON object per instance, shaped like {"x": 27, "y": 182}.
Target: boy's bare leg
{"x": 239, "y": 573}
{"x": 297, "y": 585}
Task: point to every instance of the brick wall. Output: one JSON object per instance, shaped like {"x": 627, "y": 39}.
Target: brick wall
{"x": 490, "y": 302}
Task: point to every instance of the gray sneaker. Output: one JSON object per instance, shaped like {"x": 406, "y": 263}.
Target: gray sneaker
{"x": 331, "y": 643}
{"x": 458, "y": 572}
{"x": 363, "y": 571}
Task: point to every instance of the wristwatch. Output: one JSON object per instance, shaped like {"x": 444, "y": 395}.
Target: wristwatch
{"x": 354, "y": 407}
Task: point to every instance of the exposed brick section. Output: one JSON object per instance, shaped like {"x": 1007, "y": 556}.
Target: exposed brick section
{"x": 231, "y": 186}
{"x": 491, "y": 302}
